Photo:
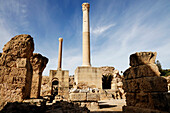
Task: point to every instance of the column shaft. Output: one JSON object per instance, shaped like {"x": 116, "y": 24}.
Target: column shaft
{"x": 60, "y": 53}
{"x": 86, "y": 35}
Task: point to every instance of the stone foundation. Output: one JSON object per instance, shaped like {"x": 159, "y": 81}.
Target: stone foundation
{"x": 91, "y": 76}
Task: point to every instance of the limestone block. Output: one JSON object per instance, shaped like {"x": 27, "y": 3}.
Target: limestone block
{"x": 131, "y": 85}
{"x": 154, "y": 100}
{"x": 146, "y": 84}
{"x": 93, "y": 97}
{"x": 153, "y": 84}
{"x": 142, "y": 58}
{"x": 130, "y": 99}
{"x": 21, "y": 62}
{"x": 148, "y": 70}
{"x": 78, "y": 96}
{"x": 90, "y": 75}
{"x": 21, "y": 46}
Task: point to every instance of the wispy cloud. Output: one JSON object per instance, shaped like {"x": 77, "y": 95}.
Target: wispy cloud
{"x": 101, "y": 29}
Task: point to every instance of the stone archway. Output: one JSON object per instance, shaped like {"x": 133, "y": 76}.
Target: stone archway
{"x": 55, "y": 85}
{"x": 106, "y": 81}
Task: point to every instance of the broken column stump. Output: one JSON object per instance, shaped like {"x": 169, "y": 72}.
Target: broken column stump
{"x": 38, "y": 63}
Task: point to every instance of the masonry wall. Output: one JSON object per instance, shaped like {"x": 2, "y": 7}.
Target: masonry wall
{"x": 145, "y": 89}
{"x": 91, "y": 76}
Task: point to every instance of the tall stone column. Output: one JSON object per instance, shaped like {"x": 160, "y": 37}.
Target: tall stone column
{"x": 86, "y": 35}
{"x": 60, "y": 53}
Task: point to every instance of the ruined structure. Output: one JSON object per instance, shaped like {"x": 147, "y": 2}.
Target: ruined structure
{"x": 112, "y": 84}
{"x": 38, "y": 63}
{"x": 87, "y": 74}
{"x": 15, "y": 69}
{"x": 145, "y": 89}
{"x": 45, "y": 86}
{"x": 59, "y": 79}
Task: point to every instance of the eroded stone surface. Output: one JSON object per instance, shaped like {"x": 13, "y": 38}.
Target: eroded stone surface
{"x": 15, "y": 69}
{"x": 141, "y": 58}
{"x": 38, "y": 63}
{"x": 45, "y": 86}
{"x": 143, "y": 85}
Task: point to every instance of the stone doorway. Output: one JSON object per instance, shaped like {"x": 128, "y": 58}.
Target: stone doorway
{"x": 55, "y": 87}
{"x": 106, "y": 81}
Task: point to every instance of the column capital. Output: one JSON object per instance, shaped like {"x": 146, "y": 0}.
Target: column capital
{"x": 85, "y": 6}
{"x": 60, "y": 39}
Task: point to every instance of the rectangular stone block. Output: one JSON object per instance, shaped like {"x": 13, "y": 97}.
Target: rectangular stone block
{"x": 78, "y": 97}
{"x": 92, "y": 76}
{"x": 131, "y": 86}
{"x": 93, "y": 97}
{"x": 146, "y": 84}
{"x": 157, "y": 101}
{"x": 142, "y": 58}
{"x": 153, "y": 84}
{"x": 130, "y": 99}
{"x": 148, "y": 70}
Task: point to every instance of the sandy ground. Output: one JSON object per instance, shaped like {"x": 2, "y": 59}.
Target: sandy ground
{"x": 110, "y": 106}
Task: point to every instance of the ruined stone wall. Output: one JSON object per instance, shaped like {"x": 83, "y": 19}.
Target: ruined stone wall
{"x": 62, "y": 76}
{"x": 116, "y": 91}
{"x": 145, "y": 89}
{"x": 15, "y": 69}
{"x": 45, "y": 86}
{"x": 38, "y": 63}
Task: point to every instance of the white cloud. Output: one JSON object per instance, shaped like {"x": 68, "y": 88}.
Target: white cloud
{"x": 101, "y": 29}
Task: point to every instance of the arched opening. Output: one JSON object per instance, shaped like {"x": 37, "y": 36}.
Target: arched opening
{"x": 106, "y": 81}
{"x": 55, "y": 87}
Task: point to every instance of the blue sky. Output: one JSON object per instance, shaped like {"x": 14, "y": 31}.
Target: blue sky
{"x": 118, "y": 29}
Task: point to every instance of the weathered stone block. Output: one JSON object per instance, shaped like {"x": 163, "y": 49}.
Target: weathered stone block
{"x": 93, "y": 97}
{"x": 148, "y": 70}
{"x": 131, "y": 85}
{"x": 152, "y": 101}
{"x": 146, "y": 84}
{"x": 90, "y": 75}
{"x": 78, "y": 97}
{"x": 153, "y": 84}
{"x": 130, "y": 99}
{"x": 142, "y": 58}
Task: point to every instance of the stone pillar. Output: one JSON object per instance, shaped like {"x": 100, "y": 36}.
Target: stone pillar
{"x": 38, "y": 63}
{"x": 60, "y": 53}
{"x": 86, "y": 35}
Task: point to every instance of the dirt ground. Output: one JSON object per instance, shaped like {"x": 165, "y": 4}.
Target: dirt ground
{"x": 110, "y": 106}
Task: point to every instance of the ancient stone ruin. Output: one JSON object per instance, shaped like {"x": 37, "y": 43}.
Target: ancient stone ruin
{"x": 15, "y": 69}
{"x": 18, "y": 66}
{"x": 45, "y": 86}
{"x": 145, "y": 89}
{"x": 38, "y": 63}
